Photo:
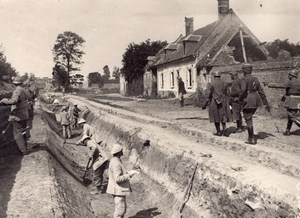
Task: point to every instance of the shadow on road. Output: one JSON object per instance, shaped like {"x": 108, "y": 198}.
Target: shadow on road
{"x": 192, "y": 118}
{"x": 148, "y": 213}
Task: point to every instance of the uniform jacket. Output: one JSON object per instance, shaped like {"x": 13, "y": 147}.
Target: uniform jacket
{"x": 64, "y": 118}
{"x": 99, "y": 155}
{"x": 236, "y": 89}
{"x": 76, "y": 111}
{"x": 292, "y": 100}
{"x": 253, "y": 94}
{"x": 181, "y": 88}
{"x": 19, "y": 102}
{"x": 118, "y": 181}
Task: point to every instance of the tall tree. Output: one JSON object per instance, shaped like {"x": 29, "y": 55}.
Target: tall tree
{"x": 135, "y": 58}
{"x": 95, "y": 78}
{"x": 6, "y": 70}
{"x": 68, "y": 53}
{"x": 106, "y": 73}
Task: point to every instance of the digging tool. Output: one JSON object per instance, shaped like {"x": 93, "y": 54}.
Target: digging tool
{"x": 187, "y": 192}
{"x": 86, "y": 169}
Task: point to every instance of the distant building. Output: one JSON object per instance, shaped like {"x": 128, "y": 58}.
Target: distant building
{"x": 192, "y": 57}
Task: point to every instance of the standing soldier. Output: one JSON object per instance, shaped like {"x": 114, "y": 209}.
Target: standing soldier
{"x": 291, "y": 100}
{"x": 219, "y": 111}
{"x": 98, "y": 161}
{"x": 235, "y": 94}
{"x": 65, "y": 122}
{"x": 30, "y": 97}
{"x": 181, "y": 91}
{"x": 19, "y": 114}
{"x": 76, "y": 111}
{"x": 253, "y": 96}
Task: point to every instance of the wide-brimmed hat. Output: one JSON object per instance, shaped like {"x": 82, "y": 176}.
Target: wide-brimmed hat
{"x": 247, "y": 68}
{"x": 116, "y": 148}
{"x": 17, "y": 80}
{"x": 81, "y": 121}
{"x": 294, "y": 73}
{"x": 217, "y": 74}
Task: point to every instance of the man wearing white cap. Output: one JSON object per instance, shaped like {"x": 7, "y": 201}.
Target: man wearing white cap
{"x": 86, "y": 128}
{"x": 19, "y": 114}
{"x": 118, "y": 181}
{"x": 98, "y": 161}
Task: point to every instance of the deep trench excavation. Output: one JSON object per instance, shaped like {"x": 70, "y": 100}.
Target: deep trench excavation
{"x": 177, "y": 173}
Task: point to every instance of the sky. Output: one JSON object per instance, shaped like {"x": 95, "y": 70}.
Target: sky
{"x": 29, "y": 28}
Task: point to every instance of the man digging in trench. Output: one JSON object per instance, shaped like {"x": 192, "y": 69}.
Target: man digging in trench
{"x": 98, "y": 160}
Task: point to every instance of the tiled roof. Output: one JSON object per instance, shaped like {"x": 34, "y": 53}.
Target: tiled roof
{"x": 206, "y": 41}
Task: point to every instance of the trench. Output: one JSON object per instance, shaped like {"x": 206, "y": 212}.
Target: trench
{"x": 166, "y": 168}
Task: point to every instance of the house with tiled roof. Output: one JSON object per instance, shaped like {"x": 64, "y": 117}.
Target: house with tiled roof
{"x": 192, "y": 57}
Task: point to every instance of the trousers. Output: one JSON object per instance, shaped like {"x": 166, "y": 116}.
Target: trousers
{"x": 120, "y": 206}
{"x": 19, "y": 129}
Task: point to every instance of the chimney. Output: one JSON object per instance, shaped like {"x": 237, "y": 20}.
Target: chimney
{"x": 189, "y": 25}
{"x": 223, "y": 8}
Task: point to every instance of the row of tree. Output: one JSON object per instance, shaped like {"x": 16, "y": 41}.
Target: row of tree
{"x": 6, "y": 70}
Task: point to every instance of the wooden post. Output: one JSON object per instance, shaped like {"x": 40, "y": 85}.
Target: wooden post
{"x": 243, "y": 46}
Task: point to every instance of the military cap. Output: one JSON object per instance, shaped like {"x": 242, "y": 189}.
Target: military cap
{"x": 116, "y": 148}
{"x": 235, "y": 73}
{"x": 17, "y": 80}
{"x": 247, "y": 68}
{"x": 294, "y": 73}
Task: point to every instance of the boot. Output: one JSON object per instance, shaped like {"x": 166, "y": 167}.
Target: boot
{"x": 251, "y": 139}
{"x": 239, "y": 127}
{"x": 288, "y": 128}
{"x": 218, "y": 133}
{"x": 224, "y": 132}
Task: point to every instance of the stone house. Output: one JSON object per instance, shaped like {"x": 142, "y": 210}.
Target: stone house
{"x": 227, "y": 41}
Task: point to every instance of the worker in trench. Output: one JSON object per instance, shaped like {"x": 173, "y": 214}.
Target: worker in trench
{"x": 291, "y": 100}
{"x": 118, "y": 181}
{"x": 98, "y": 160}
{"x": 218, "y": 100}
{"x": 65, "y": 122}
{"x": 31, "y": 98}
{"x": 76, "y": 112}
{"x": 87, "y": 129}
{"x": 19, "y": 114}
{"x": 253, "y": 96}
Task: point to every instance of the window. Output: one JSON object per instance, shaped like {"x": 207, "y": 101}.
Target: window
{"x": 172, "y": 80}
{"x": 162, "y": 80}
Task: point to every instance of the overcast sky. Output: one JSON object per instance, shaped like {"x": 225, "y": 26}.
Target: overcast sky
{"x": 28, "y": 28}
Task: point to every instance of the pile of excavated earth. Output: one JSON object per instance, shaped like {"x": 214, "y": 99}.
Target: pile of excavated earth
{"x": 184, "y": 167}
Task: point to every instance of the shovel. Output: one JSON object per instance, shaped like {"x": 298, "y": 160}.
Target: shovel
{"x": 86, "y": 170}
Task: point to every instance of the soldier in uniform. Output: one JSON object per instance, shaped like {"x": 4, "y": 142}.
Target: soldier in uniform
{"x": 19, "y": 114}
{"x": 219, "y": 111}
{"x": 181, "y": 91}
{"x": 292, "y": 101}
{"x": 235, "y": 101}
{"x": 98, "y": 161}
{"x": 253, "y": 97}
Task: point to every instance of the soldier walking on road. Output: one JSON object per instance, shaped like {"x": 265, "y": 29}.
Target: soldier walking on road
{"x": 253, "y": 96}
{"x": 292, "y": 101}
{"x": 219, "y": 111}
{"x": 181, "y": 91}
{"x": 19, "y": 114}
{"x": 235, "y": 101}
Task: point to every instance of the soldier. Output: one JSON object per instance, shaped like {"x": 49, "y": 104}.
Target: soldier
{"x": 253, "y": 96}
{"x": 76, "y": 112}
{"x": 235, "y": 94}
{"x": 65, "y": 122}
{"x": 30, "y": 96}
{"x": 19, "y": 114}
{"x": 98, "y": 161}
{"x": 86, "y": 129}
{"x": 219, "y": 111}
{"x": 181, "y": 91}
{"x": 291, "y": 100}
{"x": 118, "y": 181}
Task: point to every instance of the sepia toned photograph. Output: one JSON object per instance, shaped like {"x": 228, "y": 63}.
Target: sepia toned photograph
{"x": 150, "y": 108}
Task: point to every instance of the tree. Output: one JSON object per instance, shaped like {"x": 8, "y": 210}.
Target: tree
{"x": 68, "y": 53}
{"x": 278, "y": 47}
{"x": 95, "y": 78}
{"x": 76, "y": 79}
{"x": 106, "y": 73}
{"x": 116, "y": 73}
{"x": 135, "y": 58}
{"x": 60, "y": 77}
{"x": 6, "y": 70}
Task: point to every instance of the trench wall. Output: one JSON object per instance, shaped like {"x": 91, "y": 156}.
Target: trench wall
{"x": 214, "y": 193}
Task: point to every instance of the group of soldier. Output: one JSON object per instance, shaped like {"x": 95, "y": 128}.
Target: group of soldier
{"x": 227, "y": 101}
{"x": 22, "y": 113}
